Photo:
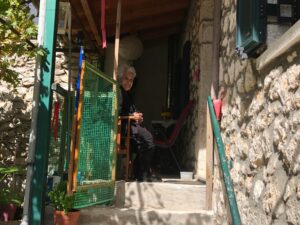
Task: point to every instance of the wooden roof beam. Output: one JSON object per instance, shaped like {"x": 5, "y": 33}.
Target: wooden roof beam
{"x": 92, "y": 24}
{"x": 147, "y": 10}
{"x": 148, "y": 23}
{"x": 160, "y": 32}
{"x": 112, "y": 4}
{"x": 81, "y": 26}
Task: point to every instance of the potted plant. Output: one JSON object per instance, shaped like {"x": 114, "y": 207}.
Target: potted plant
{"x": 64, "y": 213}
{"x": 9, "y": 198}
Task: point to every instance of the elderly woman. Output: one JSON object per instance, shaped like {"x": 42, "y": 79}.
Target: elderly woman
{"x": 143, "y": 139}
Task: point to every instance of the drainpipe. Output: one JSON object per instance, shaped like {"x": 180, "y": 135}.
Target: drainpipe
{"x": 216, "y": 48}
{"x": 235, "y": 216}
{"x": 36, "y": 93}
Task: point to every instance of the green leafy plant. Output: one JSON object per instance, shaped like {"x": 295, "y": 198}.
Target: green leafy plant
{"x": 17, "y": 28}
{"x": 59, "y": 197}
{"x": 8, "y": 195}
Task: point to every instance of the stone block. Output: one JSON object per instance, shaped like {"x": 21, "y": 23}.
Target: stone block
{"x": 206, "y": 32}
{"x": 206, "y": 10}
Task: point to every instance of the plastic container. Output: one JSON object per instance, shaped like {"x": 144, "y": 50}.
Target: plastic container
{"x": 184, "y": 175}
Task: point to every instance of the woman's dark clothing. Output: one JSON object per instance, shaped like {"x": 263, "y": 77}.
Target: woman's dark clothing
{"x": 143, "y": 140}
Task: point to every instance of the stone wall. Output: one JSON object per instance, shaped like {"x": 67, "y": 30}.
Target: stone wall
{"x": 15, "y": 110}
{"x": 261, "y": 133}
{"x": 199, "y": 30}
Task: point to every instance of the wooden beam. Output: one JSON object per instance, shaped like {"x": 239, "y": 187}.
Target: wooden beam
{"x": 117, "y": 40}
{"x": 160, "y": 32}
{"x": 149, "y": 22}
{"x": 37, "y": 192}
{"x": 115, "y": 72}
{"x": 147, "y": 10}
{"x": 112, "y": 4}
{"x": 90, "y": 18}
{"x": 79, "y": 25}
{"x": 209, "y": 161}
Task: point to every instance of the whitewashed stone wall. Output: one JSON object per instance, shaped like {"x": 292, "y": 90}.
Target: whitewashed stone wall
{"x": 16, "y": 106}
{"x": 199, "y": 30}
{"x": 261, "y": 132}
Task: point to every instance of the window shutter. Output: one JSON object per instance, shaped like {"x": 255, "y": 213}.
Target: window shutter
{"x": 251, "y": 27}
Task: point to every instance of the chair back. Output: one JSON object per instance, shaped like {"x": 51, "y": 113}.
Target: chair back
{"x": 180, "y": 121}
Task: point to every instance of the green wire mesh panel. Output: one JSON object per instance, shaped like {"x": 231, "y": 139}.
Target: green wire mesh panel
{"x": 95, "y": 183}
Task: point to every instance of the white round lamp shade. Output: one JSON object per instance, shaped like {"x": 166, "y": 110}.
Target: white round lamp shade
{"x": 131, "y": 48}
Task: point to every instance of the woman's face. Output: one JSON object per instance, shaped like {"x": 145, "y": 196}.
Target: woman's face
{"x": 127, "y": 81}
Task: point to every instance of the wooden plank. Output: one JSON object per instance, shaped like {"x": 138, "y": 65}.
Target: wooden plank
{"x": 80, "y": 23}
{"x": 90, "y": 18}
{"x": 150, "y": 22}
{"x": 116, "y": 65}
{"x": 112, "y": 4}
{"x": 117, "y": 40}
{"x": 147, "y": 10}
{"x": 209, "y": 161}
{"x": 95, "y": 185}
{"x": 78, "y": 126}
{"x": 71, "y": 160}
{"x": 160, "y": 32}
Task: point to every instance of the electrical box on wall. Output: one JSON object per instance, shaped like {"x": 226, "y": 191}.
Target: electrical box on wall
{"x": 251, "y": 27}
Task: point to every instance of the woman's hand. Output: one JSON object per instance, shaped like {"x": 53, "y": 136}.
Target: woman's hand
{"x": 138, "y": 117}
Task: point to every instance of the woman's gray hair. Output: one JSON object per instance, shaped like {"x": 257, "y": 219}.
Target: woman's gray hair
{"x": 124, "y": 69}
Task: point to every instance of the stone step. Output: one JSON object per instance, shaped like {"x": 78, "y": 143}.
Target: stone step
{"x": 97, "y": 215}
{"x": 176, "y": 195}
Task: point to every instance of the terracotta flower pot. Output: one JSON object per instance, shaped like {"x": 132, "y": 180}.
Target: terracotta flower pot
{"x": 71, "y": 218}
{"x": 7, "y": 212}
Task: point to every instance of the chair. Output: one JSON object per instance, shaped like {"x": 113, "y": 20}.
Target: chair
{"x": 124, "y": 142}
{"x": 168, "y": 142}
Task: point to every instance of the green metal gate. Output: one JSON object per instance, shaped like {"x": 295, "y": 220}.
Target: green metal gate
{"x": 95, "y": 173}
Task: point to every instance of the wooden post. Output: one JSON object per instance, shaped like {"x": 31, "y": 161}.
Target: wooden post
{"x": 117, "y": 40}
{"x": 71, "y": 160}
{"x": 209, "y": 161}
{"x": 44, "y": 104}
{"x": 78, "y": 126}
{"x": 116, "y": 65}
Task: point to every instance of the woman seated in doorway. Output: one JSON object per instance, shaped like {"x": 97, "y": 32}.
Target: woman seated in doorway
{"x": 144, "y": 146}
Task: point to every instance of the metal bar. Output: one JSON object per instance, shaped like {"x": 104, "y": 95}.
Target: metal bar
{"x": 235, "y": 216}
{"x": 39, "y": 178}
{"x": 57, "y": 88}
{"x": 76, "y": 50}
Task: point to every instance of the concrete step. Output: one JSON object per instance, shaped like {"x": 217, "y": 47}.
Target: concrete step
{"x": 175, "y": 195}
{"x": 98, "y": 215}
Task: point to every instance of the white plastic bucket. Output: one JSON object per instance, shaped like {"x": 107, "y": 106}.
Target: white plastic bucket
{"x": 184, "y": 175}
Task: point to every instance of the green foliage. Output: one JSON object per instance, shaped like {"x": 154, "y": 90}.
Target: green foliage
{"x": 60, "y": 199}
{"x": 5, "y": 171}
{"x": 8, "y": 195}
{"x": 16, "y": 27}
